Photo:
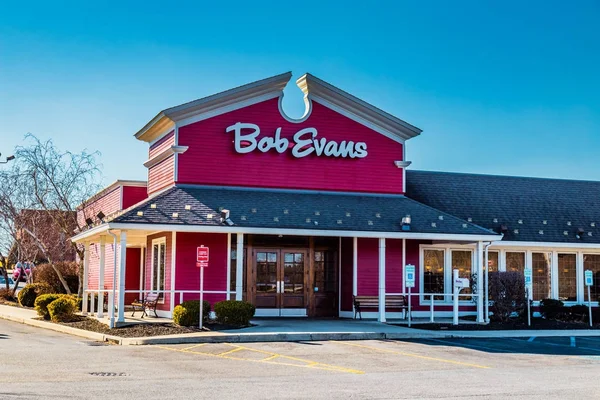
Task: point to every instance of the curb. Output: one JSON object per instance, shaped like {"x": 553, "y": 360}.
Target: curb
{"x": 100, "y": 337}
{"x": 289, "y": 336}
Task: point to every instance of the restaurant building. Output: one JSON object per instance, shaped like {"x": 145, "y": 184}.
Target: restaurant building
{"x": 300, "y": 215}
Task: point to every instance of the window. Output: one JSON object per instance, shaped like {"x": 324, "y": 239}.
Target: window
{"x": 567, "y": 277}
{"x": 463, "y": 260}
{"x": 433, "y": 268}
{"x": 493, "y": 261}
{"x": 324, "y": 272}
{"x": 592, "y": 262}
{"x": 515, "y": 262}
{"x": 540, "y": 265}
{"x": 157, "y": 282}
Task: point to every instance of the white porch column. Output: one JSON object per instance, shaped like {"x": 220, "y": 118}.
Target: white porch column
{"x": 381, "y": 317}
{"x": 480, "y": 282}
{"x": 86, "y": 273}
{"x": 101, "y": 277}
{"x": 581, "y": 290}
{"x": 355, "y": 266}
{"x": 122, "y": 266}
{"x": 239, "y": 266}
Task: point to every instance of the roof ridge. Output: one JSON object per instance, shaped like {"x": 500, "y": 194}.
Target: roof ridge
{"x": 502, "y": 176}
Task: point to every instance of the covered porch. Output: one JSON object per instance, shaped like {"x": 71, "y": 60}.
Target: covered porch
{"x": 289, "y": 253}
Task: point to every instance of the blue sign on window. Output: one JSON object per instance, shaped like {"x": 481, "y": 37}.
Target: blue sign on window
{"x": 589, "y": 278}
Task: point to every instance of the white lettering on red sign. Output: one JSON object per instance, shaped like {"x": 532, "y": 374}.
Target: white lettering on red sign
{"x": 305, "y": 143}
{"x": 202, "y": 254}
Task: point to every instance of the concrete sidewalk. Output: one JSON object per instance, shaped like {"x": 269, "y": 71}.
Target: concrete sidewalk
{"x": 285, "y": 330}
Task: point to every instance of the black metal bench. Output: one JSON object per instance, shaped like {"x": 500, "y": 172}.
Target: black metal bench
{"x": 149, "y": 302}
{"x": 391, "y": 301}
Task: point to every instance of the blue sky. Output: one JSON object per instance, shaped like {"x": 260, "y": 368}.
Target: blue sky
{"x": 498, "y": 87}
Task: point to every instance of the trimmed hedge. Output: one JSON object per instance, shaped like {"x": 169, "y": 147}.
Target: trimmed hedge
{"x": 233, "y": 312}
{"x": 43, "y": 301}
{"x": 188, "y": 313}
{"x": 62, "y": 309}
{"x": 552, "y": 309}
{"x": 28, "y": 294}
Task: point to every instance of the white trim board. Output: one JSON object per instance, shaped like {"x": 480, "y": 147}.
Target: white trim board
{"x": 281, "y": 231}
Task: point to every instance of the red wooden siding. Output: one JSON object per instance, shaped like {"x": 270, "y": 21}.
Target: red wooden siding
{"x": 393, "y": 266}
{"x": 133, "y": 195}
{"x": 164, "y": 143}
{"x": 368, "y": 267}
{"x": 211, "y": 158}
{"x": 109, "y": 203}
{"x": 166, "y": 306}
{"x": 161, "y": 175}
{"x": 187, "y": 275}
{"x": 347, "y": 255}
{"x": 132, "y": 274}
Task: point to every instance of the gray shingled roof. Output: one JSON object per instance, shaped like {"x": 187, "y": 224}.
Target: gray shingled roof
{"x": 533, "y": 209}
{"x": 262, "y": 208}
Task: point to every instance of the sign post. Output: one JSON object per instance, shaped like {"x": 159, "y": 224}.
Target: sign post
{"x": 201, "y": 263}
{"x": 457, "y": 285}
{"x": 528, "y": 283}
{"x": 409, "y": 278}
{"x": 589, "y": 281}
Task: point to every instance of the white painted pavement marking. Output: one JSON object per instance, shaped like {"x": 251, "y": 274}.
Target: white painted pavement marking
{"x": 573, "y": 341}
{"x": 531, "y": 339}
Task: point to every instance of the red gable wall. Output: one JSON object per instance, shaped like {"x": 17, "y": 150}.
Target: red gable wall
{"x": 212, "y": 160}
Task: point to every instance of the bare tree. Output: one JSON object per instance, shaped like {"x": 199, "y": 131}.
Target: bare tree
{"x": 58, "y": 183}
{"x": 14, "y": 197}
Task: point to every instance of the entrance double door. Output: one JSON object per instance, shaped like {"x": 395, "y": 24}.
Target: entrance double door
{"x": 281, "y": 280}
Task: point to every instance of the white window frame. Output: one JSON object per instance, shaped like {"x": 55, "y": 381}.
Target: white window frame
{"x": 158, "y": 241}
{"x": 528, "y": 250}
{"x": 448, "y": 249}
{"x": 556, "y": 285}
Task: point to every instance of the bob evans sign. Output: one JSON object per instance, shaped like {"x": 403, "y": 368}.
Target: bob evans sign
{"x": 305, "y": 143}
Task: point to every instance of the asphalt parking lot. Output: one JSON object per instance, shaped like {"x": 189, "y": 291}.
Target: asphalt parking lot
{"x": 40, "y": 364}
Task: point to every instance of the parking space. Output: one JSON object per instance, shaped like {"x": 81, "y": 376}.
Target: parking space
{"x": 530, "y": 367}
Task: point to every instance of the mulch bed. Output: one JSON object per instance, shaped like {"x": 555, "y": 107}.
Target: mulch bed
{"x": 143, "y": 330}
{"x": 536, "y": 324}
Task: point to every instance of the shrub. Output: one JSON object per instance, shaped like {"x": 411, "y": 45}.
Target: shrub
{"x": 62, "y": 309}
{"x": 187, "y": 313}
{"x": 43, "y": 301}
{"x": 551, "y": 308}
{"x": 507, "y": 292}
{"x": 6, "y": 294}
{"x": 234, "y": 312}
{"x": 28, "y": 294}
{"x": 579, "y": 312}
{"x": 44, "y": 273}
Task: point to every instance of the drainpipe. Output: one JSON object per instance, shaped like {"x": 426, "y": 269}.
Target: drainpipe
{"x": 487, "y": 283}
{"x": 111, "y": 302}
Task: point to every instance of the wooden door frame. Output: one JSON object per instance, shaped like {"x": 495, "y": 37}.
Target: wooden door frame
{"x": 277, "y": 272}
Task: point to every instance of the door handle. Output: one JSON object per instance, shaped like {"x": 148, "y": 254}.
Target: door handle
{"x": 278, "y": 287}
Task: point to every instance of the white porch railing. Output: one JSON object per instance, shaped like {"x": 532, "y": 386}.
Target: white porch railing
{"x": 432, "y": 301}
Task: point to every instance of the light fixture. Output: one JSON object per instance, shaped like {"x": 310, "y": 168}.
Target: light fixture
{"x": 406, "y": 223}
{"x": 9, "y": 158}
{"x": 100, "y": 216}
{"x": 225, "y": 217}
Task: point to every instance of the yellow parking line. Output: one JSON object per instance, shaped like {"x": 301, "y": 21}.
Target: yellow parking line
{"x": 230, "y": 351}
{"x": 309, "y": 364}
{"x": 194, "y": 346}
{"x": 414, "y": 355}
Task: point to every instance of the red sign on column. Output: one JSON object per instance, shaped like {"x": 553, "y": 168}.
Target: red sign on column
{"x": 202, "y": 257}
